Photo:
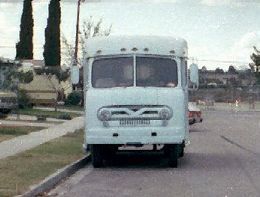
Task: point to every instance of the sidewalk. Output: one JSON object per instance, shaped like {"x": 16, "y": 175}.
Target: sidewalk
{"x": 26, "y": 142}
{"x": 60, "y": 110}
{"x": 26, "y": 123}
{"x": 30, "y": 118}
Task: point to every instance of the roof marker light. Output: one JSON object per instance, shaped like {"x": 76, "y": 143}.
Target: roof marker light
{"x": 134, "y": 49}
{"x": 172, "y": 51}
{"x": 123, "y": 49}
{"x": 146, "y": 49}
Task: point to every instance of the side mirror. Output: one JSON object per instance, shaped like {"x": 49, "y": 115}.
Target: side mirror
{"x": 194, "y": 76}
{"x": 74, "y": 74}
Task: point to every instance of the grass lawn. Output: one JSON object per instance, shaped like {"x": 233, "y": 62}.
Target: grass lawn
{"x": 8, "y": 132}
{"x": 19, "y": 172}
{"x": 49, "y": 114}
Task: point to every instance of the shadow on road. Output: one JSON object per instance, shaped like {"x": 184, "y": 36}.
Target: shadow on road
{"x": 138, "y": 159}
{"x": 157, "y": 160}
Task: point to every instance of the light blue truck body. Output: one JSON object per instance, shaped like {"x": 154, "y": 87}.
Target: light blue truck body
{"x": 136, "y": 115}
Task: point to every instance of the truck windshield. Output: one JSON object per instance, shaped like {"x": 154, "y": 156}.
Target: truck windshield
{"x": 113, "y": 72}
{"x": 156, "y": 72}
{"x": 119, "y": 72}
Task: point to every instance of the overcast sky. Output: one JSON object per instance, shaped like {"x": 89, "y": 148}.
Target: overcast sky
{"x": 224, "y": 30}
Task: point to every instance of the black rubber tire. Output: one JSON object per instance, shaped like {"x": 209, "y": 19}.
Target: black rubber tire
{"x": 97, "y": 155}
{"x": 166, "y": 151}
{"x": 182, "y": 150}
{"x": 174, "y": 152}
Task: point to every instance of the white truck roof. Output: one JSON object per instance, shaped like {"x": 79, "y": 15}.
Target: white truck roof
{"x": 117, "y": 45}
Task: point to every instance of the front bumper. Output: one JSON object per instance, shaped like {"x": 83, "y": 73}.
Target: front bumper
{"x": 143, "y": 135}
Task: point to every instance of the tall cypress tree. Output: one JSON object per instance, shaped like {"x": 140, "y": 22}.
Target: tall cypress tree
{"x": 51, "y": 54}
{"x": 24, "y": 48}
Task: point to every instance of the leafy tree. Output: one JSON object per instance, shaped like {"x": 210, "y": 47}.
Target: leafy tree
{"x": 219, "y": 71}
{"x": 203, "y": 69}
{"x": 90, "y": 29}
{"x": 14, "y": 77}
{"x": 51, "y": 54}
{"x": 24, "y": 100}
{"x": 24, "y": 48}
{"x": 62, "y": 75}
{"x": 232, "y": 70}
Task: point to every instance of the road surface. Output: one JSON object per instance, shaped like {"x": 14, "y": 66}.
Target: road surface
{"x": 223, "y": 160}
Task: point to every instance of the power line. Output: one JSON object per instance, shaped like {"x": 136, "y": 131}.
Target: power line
{"x": 219, "y": 61}
{"x": 190, "y": 58}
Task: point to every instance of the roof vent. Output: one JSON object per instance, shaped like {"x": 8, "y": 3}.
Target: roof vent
{"x": 172, "y": 51}
{"x": 134, "y": 49}
{"x": 146, "y": 49}
{"x": 123, "y": 49}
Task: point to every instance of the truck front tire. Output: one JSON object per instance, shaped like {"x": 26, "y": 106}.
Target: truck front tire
{"x": 182, "y": 149}
{"x": 174, "y": 153}
{"x": 97, "y": 155}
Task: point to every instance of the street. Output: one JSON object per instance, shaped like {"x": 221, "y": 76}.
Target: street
{"x": 222, "y": 160}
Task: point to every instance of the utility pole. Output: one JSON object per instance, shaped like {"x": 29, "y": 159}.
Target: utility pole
{"x": 77, "y": 34}
{"x": 75, "y": 62}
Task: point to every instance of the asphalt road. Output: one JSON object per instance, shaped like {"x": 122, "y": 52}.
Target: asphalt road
{"x": 223, "y": 160}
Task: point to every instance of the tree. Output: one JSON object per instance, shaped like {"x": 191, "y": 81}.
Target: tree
{"x": 24, "y": 48}
{"x": 255, "y": 66}
{"x": 51, "y": 54}
{"x": 219, "y": 71}
{"x": 203, "y": 69}
{"x": 232, "y": 70}
{"x": 90, "y": 29}
{"x": 14, "y": 77}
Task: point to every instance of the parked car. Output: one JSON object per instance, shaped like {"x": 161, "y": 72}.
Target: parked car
{"x": 8, "y": 102}
{"x": 194, "y": 114}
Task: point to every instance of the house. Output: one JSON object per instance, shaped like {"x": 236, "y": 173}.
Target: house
{"x": 211, "y": 76}
{"x": 43, "y": 90}
{"x": 32, "y": 64}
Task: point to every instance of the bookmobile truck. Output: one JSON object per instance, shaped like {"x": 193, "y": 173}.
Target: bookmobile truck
{"x": 136, "y": 94}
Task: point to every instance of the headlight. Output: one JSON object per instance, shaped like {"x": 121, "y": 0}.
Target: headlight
{"x": 165, "y": 114}
{"x": 104, "y": 115}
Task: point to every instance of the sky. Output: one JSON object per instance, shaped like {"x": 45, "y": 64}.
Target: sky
{"x": 222, "y": 31}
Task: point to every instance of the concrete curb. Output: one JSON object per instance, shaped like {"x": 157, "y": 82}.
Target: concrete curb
{"x": 54, "y": 179}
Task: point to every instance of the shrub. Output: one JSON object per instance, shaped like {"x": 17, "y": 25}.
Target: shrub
{"x": 73, "y": 98}
{"x": 64, "y": 116}
{"x": 23, "y": 100}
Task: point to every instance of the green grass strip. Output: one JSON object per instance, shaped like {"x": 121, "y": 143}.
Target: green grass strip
{"x": 8, "y": 132}
{"x": 49, "y": 114}
{"x": 19, "y": 172}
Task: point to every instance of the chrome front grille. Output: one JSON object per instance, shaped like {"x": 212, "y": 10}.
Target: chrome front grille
{"x": 127, "y": 122}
